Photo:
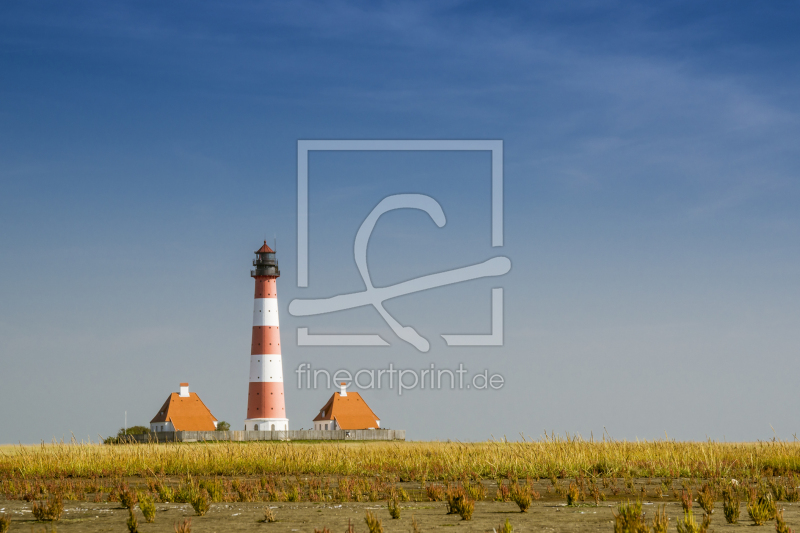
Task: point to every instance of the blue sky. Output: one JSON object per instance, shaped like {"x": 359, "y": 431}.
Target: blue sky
{"x": 651, "y": 192}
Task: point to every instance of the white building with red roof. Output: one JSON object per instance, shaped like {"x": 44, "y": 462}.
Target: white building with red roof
{"x": 183, "y": 411}
{"x": 346, "y": 410}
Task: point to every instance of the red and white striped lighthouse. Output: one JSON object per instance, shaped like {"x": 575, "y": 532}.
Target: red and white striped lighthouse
{"x": 266, "y": 408}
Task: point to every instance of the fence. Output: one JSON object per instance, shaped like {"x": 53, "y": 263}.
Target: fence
{"x": 241, "y": 436}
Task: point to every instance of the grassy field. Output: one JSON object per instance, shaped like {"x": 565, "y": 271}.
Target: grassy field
{"x": 407, "y": 461}
{"x": 572, "y": 483}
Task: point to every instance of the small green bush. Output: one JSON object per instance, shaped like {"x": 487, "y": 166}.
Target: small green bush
{"x": 132, "y": 522}
{"x": 629, "y": 518}
{"x": 394, "y": 508}
{"x": 761, "y": 509}
{"x": 521, "y": 496}
{"x": 504, "y": 528}
{"x": 373, "y": 523}
{"x": 200, "y": 503}
{"x": 573, "y": 494}
{"x": 706, "y": 497}
{"x": 688, "y": 523}
{"x": 50, "y": 511}
{"x": 780, "y": 525}
{"x": 148, "y": 508}
{"x": 730, "y": 505}
{"x": 660, "y": 520}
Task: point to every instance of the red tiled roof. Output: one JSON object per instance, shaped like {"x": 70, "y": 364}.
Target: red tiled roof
{"x": 350, "y": 412}
{"x": 265, "y": 249}
{"x": 186, "y": 413}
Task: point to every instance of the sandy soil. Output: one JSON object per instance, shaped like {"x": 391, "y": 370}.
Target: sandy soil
{"x": 306, "y": 517}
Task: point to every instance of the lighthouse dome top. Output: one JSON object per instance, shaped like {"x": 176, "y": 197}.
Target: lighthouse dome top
{"x": 265, "y": 249}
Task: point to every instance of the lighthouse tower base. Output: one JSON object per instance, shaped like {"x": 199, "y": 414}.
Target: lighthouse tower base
{"x": 266, "y": 424}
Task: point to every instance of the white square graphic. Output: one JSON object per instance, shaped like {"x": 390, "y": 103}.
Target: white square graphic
{"x": 375, "y": 296}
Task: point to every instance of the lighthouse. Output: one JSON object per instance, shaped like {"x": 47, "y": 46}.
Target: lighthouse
{"x": 266, "y": 407}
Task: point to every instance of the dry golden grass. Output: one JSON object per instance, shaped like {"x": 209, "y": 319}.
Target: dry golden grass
{"x": 551, "y": 457}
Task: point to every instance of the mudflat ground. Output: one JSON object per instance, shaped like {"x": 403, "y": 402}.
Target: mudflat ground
{"x": 306, "y": 517}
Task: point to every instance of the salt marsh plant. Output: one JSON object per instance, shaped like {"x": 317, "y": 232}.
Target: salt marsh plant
{"x": 214, "y": 488}
{"x": 521, "y": 496}
{"x": 373, "y": 523}
{"x": 50, "y": 511}
{"x": 476, "y": 491}
{"x": 414, "y": 525}
{"x": 731, "y": 504}
{"x": 458, "y": 502}
{"x": 127, "y": 497}
{"x": 761, "y": 508}
{"x": 780, "y": 524}
{"x": 183, "y": 527}
{"x": 5, "y": 523}
{"x": 687, "y": 524}
{"x": 165, "y": 493}
{"x": 132, "y": 522}
{"x": 706, "y": 497}
{"x": 686, "y": 499}
{"x": 394, "y": 508}
{"x": 269, "y": 516}
{"x": 629, "y": 518}
{"x": 660, "y": 520}
{"x": 148, "y": 508}
{"x": 435, "y": 492}
{"x": 573, "y": 494}
{"x": 503, "y": 493}
{"x": 504, "y": 528}
{"x": 200, "y": 503}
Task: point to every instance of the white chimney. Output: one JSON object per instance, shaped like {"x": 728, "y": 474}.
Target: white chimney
{"x": 343, "y": 389}
{"x": 184, "y": 390}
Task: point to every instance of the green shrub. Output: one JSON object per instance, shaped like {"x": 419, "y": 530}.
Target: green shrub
{"x": 148, "y": 508}
{"x": 127, "y": 497}
{"x": 132, "y": 522}
{"x": 394, "y": 508}
{"x": 688, "y": 523}
{"x": 504, "y": 528}
{"x": 215, "y": 490}
{"x": 780, "y": 526}
{"x": 269, "y": 516}
{"x": 706, "y": 497}
{"x": 629, "y": 518}
{"x": 459, "y": 503}
{"x": 660, "y": 520}
{"x": 503, "y": 493}
{"x": 521, "y": 496}
{"x": 731, "y": 504}
{"x": 435, "y": 492}
{"x": 476, "y": 491}
{"x": 761, "y": 509}
{"x": 165, "y": 493}
{"x": 50, "y": 511}
{"x": 200, "y": 503}
{"x": 573, "y": 494}
{"x": 373, "y": 523}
